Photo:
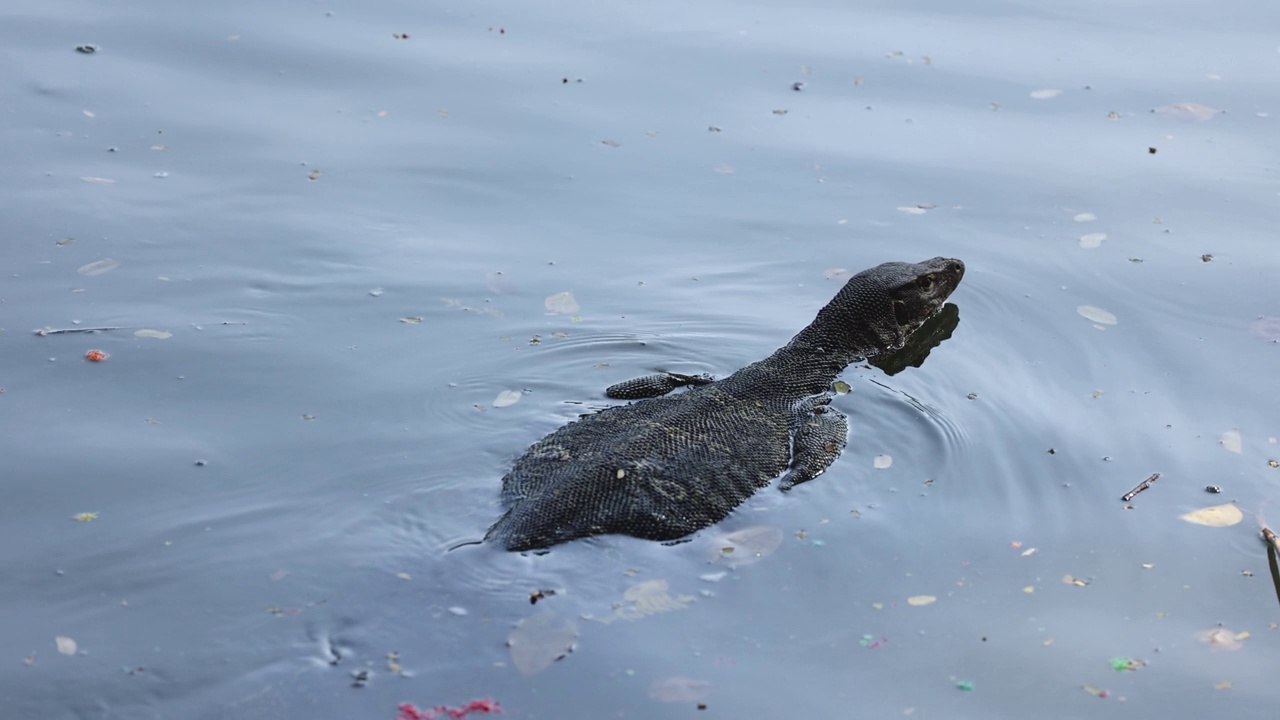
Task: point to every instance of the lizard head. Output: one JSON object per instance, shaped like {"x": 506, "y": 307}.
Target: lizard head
{"x": 917, "y": 291}
{"x": 880, "y": 307}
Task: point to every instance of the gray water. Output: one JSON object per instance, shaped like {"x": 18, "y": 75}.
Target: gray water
{"x": 280, "y": 185}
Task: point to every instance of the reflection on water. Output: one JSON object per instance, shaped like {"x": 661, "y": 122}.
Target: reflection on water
{"x": 929, "y": 335}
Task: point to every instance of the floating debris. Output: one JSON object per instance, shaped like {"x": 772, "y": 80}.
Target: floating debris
{"x": 562, "y": 303}
{"x": 679, "y": 689}
{"x": 537, "y": 642}
{"x": 1215, "y": 516}
{"x": 1232, "y": 442}
{"x": 484, "y": 706}
{"x": 507, "y": 398}
{"x": 1141, "y": 486}
{"x": 1096, "y": 314}
{"x": 1092, "y": 240}
{"x": 98, "y": 267}
{"x": 1123, "y": 664}
{"x": 60, "y": 331}
{"x": 1221, "y": 638}
{"x": 537, "y": 595}
{"x": 746, "y": 546}
{"x": 1188, "y": 111}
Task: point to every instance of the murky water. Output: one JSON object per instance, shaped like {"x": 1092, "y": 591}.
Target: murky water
{"x": 348, "y": 220}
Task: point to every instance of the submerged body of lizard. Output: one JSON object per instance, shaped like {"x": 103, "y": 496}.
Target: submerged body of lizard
{"x": 664, "y": 467}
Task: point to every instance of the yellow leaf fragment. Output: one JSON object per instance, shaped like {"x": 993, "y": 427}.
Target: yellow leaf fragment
{"x": 1221, "y": 638}
{"x": 85, "y": 517}
{"x": 507, "y": 398}
{"x": 1222, "y": 685}
{"x": 1097, "y": 314}
{"x": 1028, "y": 589}
{"x": 921, "y": 600}
{"x": 1092, "y": 240}
{"x": 98, "y": 267}
{"x": 562, "y": 303}
{"x": 1224, "y": 515}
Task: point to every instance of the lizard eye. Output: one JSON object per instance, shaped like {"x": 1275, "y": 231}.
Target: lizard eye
{"x": 926, "y": 283}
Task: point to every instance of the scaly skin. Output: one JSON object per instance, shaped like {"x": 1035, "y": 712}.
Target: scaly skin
{"x": 664, "y": 467}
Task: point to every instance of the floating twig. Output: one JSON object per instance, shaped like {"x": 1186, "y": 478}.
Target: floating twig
{"x": 1141, "y": 486}
{"x": 1273, "y": 549}
{"x": 61, "y": 331}
{"x": 1271, "y": 538}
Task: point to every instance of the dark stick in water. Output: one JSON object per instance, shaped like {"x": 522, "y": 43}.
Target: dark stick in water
{"x": 60, "y": 331}
{"x": 1141, "y": 486}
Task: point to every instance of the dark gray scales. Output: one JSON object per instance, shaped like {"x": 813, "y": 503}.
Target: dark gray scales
{"x": 669, "y": 465}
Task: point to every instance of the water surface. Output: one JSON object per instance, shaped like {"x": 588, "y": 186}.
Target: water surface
{"x": 351, "y": 236}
